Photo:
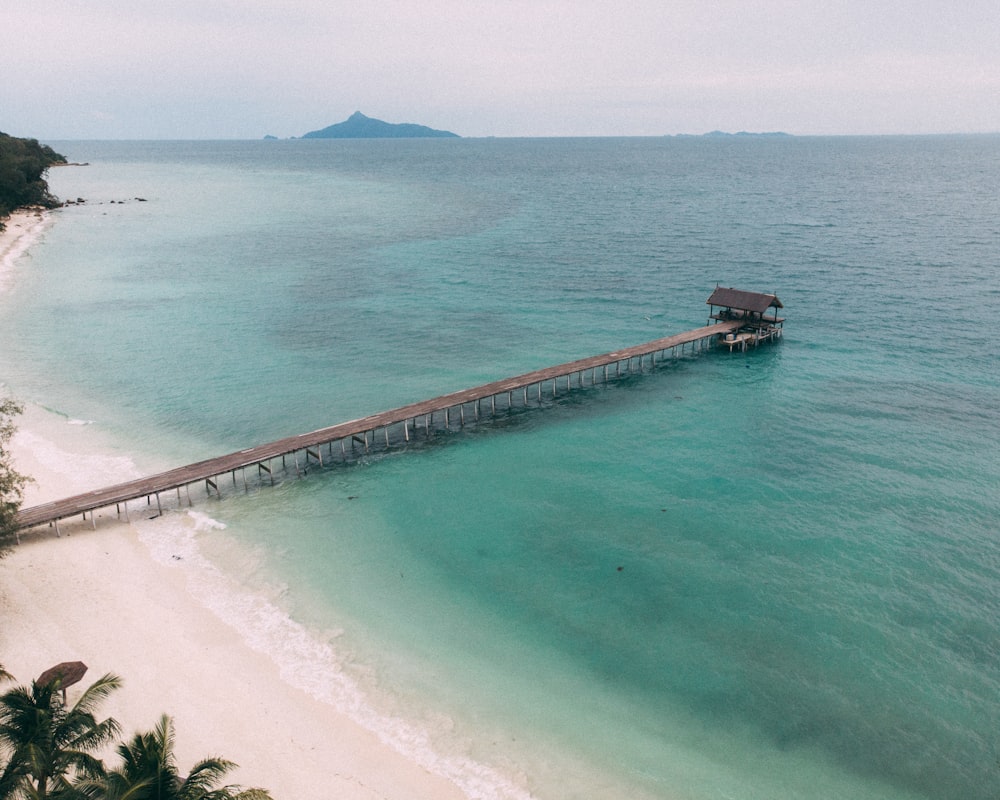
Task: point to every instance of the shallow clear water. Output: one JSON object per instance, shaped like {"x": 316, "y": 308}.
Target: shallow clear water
{"x": 768, "y": 575}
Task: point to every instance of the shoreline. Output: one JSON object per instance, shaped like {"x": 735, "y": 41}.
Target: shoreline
{"x": 140, "y": 601}
{"x": 21, "y": 230}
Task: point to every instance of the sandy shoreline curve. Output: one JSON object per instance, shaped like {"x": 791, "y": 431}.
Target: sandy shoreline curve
{"x": 21, "y": 230}
{"x": 117, "y": 600}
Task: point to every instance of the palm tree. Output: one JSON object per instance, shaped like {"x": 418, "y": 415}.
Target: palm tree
{"x": 48, "y": 745}
{"x": 149, "y": 772}
{"x": 8, "y": 776}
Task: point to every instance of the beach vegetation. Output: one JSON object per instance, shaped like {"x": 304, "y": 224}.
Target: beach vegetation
{"x": 12, "y": 482}
{"x": 149, "y": 772}
{"x": 46, "y": 746}
{"x": 47, "y": 752}
{"x": 23, "y": 164}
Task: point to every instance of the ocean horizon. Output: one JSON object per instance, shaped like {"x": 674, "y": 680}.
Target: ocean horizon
{"x": 770, "y": 574}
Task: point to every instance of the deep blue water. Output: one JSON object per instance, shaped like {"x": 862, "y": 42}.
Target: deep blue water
{"x": 768, "y": 575}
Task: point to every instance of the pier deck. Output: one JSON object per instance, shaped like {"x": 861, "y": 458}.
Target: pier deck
{"x": 402, "y": 421}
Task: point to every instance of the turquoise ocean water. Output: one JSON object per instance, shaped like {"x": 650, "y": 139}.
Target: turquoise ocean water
{"x": 773, "y": 575}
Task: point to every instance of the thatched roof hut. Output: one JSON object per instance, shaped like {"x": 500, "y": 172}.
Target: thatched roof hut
{"x": 747, "y": 302}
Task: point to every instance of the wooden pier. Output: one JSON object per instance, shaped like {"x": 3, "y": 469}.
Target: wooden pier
{"x": 391, "y": 427}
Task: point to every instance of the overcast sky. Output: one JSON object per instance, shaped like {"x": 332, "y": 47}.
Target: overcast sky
{"x": 166, "y": 69}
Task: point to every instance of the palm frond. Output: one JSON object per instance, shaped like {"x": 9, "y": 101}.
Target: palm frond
{"x": 97, "y": 692}
{"x": 203, "y": 777}
{"x": 253, "y": 794}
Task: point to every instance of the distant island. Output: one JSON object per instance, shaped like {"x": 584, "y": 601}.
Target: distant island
{"x": 724, "y": 134}
{"x": 358, "y": 126}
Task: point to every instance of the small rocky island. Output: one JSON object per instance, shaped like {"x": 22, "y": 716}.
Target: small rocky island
{"x": 358, "y": 126}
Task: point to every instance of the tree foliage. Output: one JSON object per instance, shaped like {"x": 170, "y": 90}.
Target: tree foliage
{"x": 11, "y": 481}
{"x": 23, "y": 164}
{"x": 149, "y": 772}
{"x": 46, "y": 753}
{"x": 48, "y": 746}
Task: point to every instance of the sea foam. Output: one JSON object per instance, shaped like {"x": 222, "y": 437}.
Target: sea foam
{"x": 304, "y": 660}
{"x": 23, "y": 230}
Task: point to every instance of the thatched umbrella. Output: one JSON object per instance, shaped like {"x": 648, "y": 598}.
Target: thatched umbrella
{"x": 65, "y": 674}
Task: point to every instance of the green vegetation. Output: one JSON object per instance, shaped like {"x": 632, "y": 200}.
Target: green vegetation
{"x": 11, "y": 482}
{"x": 23, "y": 164}
{"x": 47, "y": 745}
{"x": 47, "y": 753}
{"x": 149, "y": 770}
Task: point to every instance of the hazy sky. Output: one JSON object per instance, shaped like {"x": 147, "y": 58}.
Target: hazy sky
{"x": 85, "y": 69}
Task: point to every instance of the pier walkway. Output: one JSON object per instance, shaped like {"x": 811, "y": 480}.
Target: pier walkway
{"x": 395, "y": 426}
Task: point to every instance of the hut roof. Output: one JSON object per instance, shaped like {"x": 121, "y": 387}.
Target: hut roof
{"x": 67, "y": 673}
{"x": 745, "y": 301}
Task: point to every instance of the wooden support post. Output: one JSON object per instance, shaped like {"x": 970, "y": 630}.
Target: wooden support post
{"x": 58, "y": 534}
{"x": 158, "y": 506}
{"x": 461, "y": 414}
{"x": 386, "y": 435}
{"x": 187, "y": 491}
{"x": 245, "y": 487}
{"x": 262, "y": 467}
{"x": 406, "y": 430}
{"x": 209, "y": 484}
{"x": 493, "y": 403}
{"x": 127, "y": 520}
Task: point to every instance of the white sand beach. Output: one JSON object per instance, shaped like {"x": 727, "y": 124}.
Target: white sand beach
{"x": 125, "y": 600}
{"x": 21, "y": 229}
